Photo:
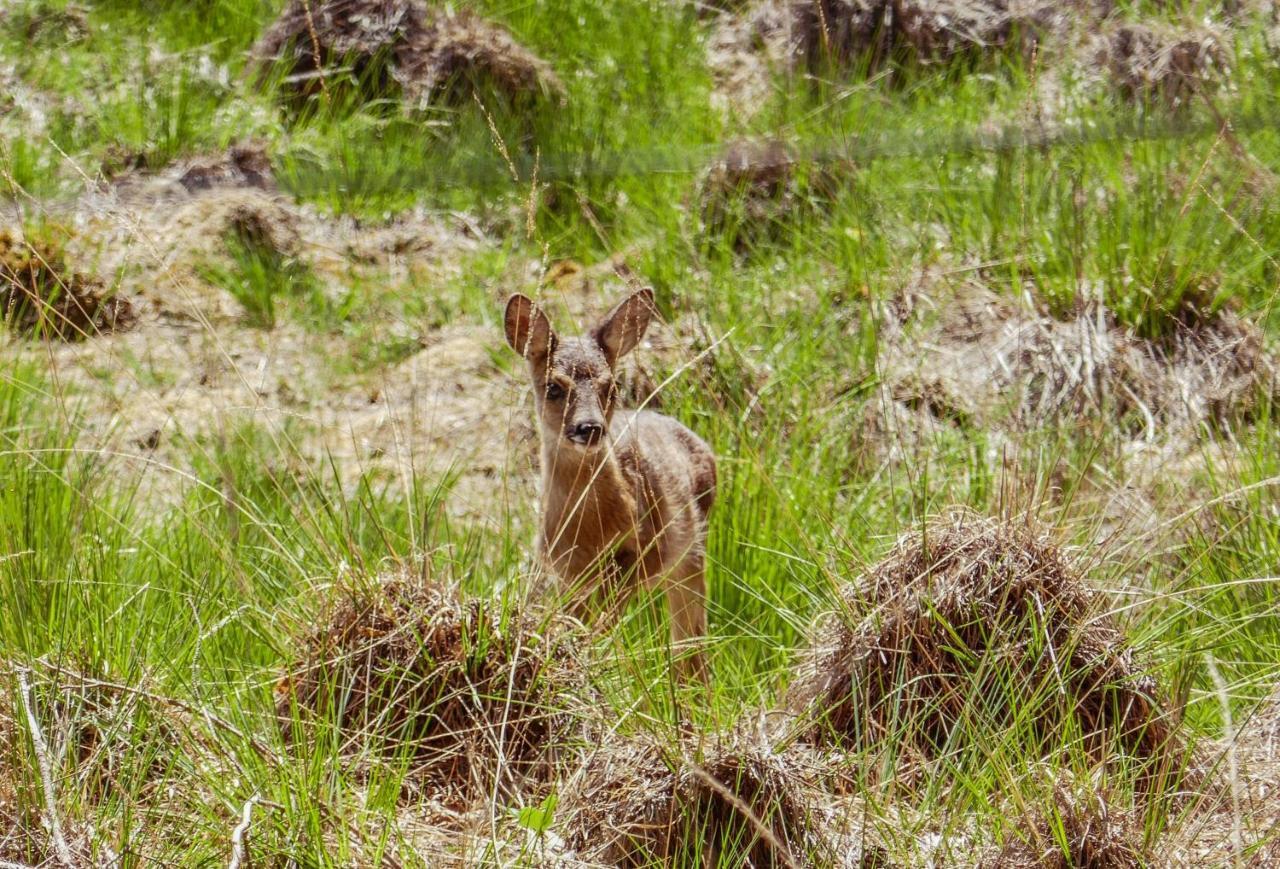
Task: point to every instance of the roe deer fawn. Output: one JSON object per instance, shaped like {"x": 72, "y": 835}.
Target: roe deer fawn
{"x": 625, "y": 493}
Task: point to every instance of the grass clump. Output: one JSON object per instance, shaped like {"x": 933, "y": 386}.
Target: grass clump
{"x": 741, "y": 802}
{"x": 471, "y": 694}
{"x": 755, "y": 189}
{"x": 389, "y": 49}
{"x": 997, "y": 360}
{"x": 261, "y": 262}
{"x": 973, "y": 627}
{"x": 1079, "y": 830}
{"x": 865, "y": 34}
{"x": 42, "y": 296}
{"x": 1152, "y": 63}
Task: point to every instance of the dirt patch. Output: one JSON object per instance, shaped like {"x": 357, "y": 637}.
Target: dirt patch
{"x": 979, "y": 624}
{"x": 740, "y": 802}
{"x": 1150, "y": 62}
{"x": 996, "y": 361}
{"x": 389, "y": 47}
{"x": 1081, "y": 830}
{"x": 42, "y": 296}
{"x": 193, "y": 377}
{"x": 472, "y": 694}
{"x": 745, "y": 50}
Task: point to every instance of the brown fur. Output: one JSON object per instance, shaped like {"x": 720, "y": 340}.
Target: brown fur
{"x": 625, "y": 494}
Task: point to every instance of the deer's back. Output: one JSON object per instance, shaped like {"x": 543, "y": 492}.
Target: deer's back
{"x": 669, "y": 462}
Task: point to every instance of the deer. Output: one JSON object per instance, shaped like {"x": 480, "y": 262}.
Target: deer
{"x": 626, "y": 494}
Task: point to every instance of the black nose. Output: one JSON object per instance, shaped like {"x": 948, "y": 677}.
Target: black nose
{"x": 587, "y": 432}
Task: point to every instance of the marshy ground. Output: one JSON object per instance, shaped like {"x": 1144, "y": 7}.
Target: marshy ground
{"x": 974, "y": 299}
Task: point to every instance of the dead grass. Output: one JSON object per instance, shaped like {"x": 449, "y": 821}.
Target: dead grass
{"x": 1236, "y": 822}
{"x": 400, "y": 47}
{"x": 993, "y": 360}
{"x": 978, "y": 623}
{"x": 471, "y": 695}
{"x": 865, "y": 34}
{"x": 738, "y": 802}
{"x": 755, "y": 188}
{"x": 1151, "y": 62}
{"x": 1081, "y": 830}
{"x": 42, "y": 296}
{"x": 242, "y": 165}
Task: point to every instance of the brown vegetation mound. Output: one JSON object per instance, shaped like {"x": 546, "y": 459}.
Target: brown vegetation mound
{"x": 244, "y": 165}
{"x": 869, "y": 32}
{"x": 263, "y": 221}
{"x": 742, "y": 804}
{"x": 1082, "y": 832}
{"x": 42, "y": 296}
{"x": 977, "y": 625}
{"x": 754, "y": 188}
{"x": 1173, "y": 66}
{"x": 399, "y": 46}
{"x": 989, "y": 358}
{"x": 472, "y": 694}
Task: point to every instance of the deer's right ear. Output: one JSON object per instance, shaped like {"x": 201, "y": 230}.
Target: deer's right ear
{"x": 528, "y": 330}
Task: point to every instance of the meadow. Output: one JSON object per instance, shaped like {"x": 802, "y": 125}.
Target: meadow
{"x": 974, "y": 301}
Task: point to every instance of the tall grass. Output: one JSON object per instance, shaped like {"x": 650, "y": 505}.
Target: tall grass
{"x": 156, "y": 635}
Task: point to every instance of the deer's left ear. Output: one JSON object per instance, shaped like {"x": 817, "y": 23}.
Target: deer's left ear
{"x": 623, "y": 327}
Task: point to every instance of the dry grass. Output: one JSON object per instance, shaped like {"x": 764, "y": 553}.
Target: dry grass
{"x": 41, "y": 295}
{"x": 988, "y": 358}
{"x": 1236, "y": 822}
{"x": 755, "y": 188}
{"x": 392, "y": 47}
{"x": 975, "y": 623}
{"x": 242, "y": 165}
{"x": 470, "y": 695}
{"x": 1082, "y": 832}
{"x": 738, "y": 802}
{"x": 1148, "y": 62}
{"x": 867, "y": 33}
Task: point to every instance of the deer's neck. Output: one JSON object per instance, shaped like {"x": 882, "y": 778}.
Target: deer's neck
{"x": 586, "y": 497}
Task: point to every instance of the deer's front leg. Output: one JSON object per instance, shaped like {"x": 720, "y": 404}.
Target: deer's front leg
{"x": 605, "y": 590}
{"x": 686, "y": 589}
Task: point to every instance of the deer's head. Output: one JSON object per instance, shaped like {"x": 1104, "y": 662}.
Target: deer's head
{"x": 573, "y": 378}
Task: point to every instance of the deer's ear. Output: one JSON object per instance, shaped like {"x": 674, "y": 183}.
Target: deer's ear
{"x": 528, "y": 330}
{"x": 623, "y": 327}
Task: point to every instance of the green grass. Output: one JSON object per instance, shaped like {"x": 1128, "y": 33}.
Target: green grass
{"x": 194, "y": 602}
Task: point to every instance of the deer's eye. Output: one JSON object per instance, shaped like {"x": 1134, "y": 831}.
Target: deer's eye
{"x": 555, "y": 392}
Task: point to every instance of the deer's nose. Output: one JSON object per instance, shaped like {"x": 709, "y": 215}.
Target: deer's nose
{"x": 588, "y": 433}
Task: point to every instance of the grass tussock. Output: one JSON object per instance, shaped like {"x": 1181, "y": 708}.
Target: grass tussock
{"x": 400, "y": 48}
{"x": 741, "y": 802}
{"x": 42, "y": 296}
{"x": 753, "y": 190}
{"x": 992, "y": 359}
{"x": 243, "y": 165}
{"x": 1078, "y": 830}
{"x": 1148, "y": 62}
{"x": 976, "y": 626}
{"x": 469, "y": 693}
{"x": 864, "y": 34}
